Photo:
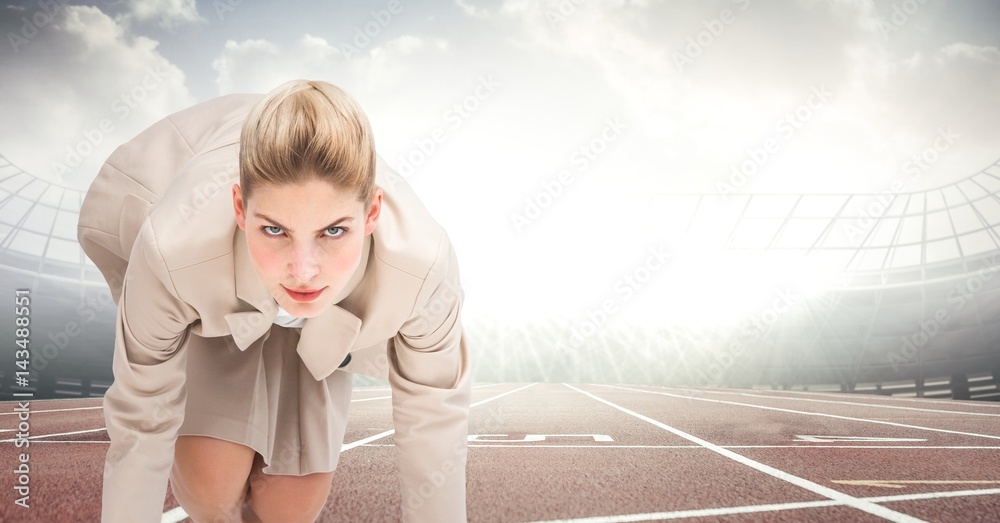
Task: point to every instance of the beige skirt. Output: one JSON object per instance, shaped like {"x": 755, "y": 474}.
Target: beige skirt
{"x": 265, "y": 398}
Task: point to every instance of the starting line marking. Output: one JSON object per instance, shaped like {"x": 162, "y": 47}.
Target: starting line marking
{"x": 816, "y": 488}
{"x": 892, "y": 483}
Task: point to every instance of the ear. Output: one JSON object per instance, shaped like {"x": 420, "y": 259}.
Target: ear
{"x": 239, "y": 208}
{"x": 374, "y": 210}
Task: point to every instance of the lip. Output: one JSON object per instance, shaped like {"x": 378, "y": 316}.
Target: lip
{"x": 304, "y": 295}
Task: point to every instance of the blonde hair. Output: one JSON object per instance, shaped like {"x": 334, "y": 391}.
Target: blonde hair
{"x": 303, "y": 130}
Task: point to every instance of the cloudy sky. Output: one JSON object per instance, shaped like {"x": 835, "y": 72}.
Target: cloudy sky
{"x": 587, "y": 108}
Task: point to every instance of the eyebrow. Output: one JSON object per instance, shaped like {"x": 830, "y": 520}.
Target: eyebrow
{"x": 275, "y": 222}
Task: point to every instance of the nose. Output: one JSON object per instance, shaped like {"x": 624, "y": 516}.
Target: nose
{"x": 304, "y": 263}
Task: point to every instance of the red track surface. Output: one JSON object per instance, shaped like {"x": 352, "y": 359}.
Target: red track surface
{"x": 613, "y": 453}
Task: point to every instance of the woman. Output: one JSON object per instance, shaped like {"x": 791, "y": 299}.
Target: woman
{"x": 244, "y": 308}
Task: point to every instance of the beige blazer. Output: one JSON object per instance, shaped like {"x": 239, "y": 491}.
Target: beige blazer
{"x": 159, "y": 224}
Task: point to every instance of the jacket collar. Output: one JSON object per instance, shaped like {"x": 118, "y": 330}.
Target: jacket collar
{"x": 325, "y": 339}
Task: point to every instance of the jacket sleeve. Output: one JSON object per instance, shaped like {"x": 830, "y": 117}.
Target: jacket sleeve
{"x": 429, "y": 371}
{"x": 144, "y": 407}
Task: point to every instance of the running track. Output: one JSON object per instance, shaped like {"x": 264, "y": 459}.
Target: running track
{"x": 609, "y": 453}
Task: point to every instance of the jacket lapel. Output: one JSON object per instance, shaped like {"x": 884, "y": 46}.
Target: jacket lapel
{"x": 326, "y": 339}
{"x": 247, "y": 327}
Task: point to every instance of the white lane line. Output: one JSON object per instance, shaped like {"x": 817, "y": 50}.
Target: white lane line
{"x": 816, "y": 488}
{"x": 911, "y": 447}
{"x": 390, "y": 397}
{"x": 961, "y": 403}
{"x": 356, "y": 443}
{"x": 36, "y": 442}
{"x": 498, "y": 396}
{"x": 174, "y": 515}
{"x": 697, "y": 446}
{"x": 371, "y": 399}
{"x": 859, "y": 395}
{"x": 852, "y": 403}
{"x": 105, "y": 428}
{"x": 369, "y": 439}
{"x": 104, "y": 442}
{"x": 357, "y": 390}
{"x": 749, "y": 509}
{"x": 178, "y": 514}
{"x": 33, "y": 412}
{"x": 934, "y": 495}
{"x": 900, "y": 483}
{"x": 807, "y": 413}
{"x": 698, "y": 513}
{"x": 54, "y": 435}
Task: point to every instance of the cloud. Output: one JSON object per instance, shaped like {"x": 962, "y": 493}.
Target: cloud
{"x": 471, "y": 10}
{"x": 402, "y": 82}
{"x": 77, "y": 88}
{"x": 166, "y": 13}
{"x": 707, "y": 81}
{"x": 260, "y": 65}
{"x": 988, "y": 54}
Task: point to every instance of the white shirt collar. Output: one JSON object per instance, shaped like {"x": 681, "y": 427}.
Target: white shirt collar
{"x": 287, "y": 320}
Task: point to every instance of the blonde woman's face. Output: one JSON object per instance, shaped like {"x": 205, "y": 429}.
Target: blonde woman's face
{"x": 305, "y": 240}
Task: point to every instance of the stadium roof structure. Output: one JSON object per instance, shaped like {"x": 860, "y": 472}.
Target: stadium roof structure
{"x": 915, "y": 266}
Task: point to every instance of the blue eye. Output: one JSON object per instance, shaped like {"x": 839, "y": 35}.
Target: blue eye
{"x": 269, "y": 230}
{"x": 342, "y": 231}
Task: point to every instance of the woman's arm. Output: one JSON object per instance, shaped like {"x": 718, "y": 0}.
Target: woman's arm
{"x": 144, "y": 407}
{"x": 429, "y": 371}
